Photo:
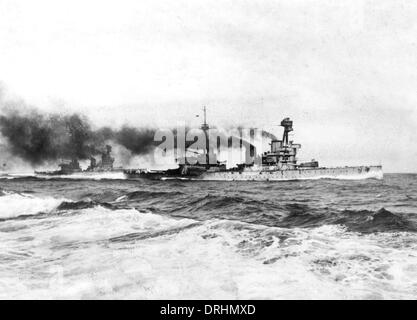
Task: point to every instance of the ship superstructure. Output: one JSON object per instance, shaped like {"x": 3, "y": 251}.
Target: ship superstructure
{"x": 199, "y": 162}
{"x": 106, "y": 163}
{"x": 283, "y": 152}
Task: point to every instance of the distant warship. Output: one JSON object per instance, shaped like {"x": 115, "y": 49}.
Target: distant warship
{"x": 278, "y": 164}
{"x": 73, "y": 166}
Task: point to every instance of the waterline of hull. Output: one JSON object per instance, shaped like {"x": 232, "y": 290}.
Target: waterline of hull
{"x": 249, "y": 174}
{"x": 343, "y": 173}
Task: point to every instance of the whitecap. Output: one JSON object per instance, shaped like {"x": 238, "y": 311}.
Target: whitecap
{"x": 18, "y": 204}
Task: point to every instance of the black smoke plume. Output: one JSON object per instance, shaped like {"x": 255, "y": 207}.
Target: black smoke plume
{"x": 37, "y": 138}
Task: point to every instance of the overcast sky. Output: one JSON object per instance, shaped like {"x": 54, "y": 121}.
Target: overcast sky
{"x": 345, "y": 71}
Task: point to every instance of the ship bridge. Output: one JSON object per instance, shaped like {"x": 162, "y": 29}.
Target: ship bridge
{"x": 283, "y": 152}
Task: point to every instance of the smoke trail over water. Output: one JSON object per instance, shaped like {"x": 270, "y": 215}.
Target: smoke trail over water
{"x": 37, "y": 137}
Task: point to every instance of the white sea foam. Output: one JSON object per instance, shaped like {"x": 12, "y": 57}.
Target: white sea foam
{"x": 86, "y": 175}
{"x": 102, "y": 253}
{"x": 17, "y": 204}
{"x": 120, "y": 198}
{"x": 371, "y": 175}
{"x": 99, "y": 223}
{"x": 13, "y": 175}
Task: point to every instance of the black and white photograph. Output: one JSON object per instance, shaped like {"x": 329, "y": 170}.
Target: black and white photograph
{"x": 178, "y": 150}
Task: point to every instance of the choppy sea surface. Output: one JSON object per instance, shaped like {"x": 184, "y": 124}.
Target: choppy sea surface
{"x": 119, "y": 239}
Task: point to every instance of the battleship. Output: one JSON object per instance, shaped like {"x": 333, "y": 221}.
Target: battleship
{"x": 280, "y": 163}
{"x": 72, "y": 167}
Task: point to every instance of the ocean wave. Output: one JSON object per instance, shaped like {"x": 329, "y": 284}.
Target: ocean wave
{"x": 153, "y": 240}
{"x": 20, "y": 204}
{"x": 288, "y": 214}
{"x": 100, "y": 226}
{"x": 364, "y": 221}
{"x": 126, "y": 253}
{"x": 325, "y": 262}
{"x": 147, "y": 194}
{"x": 220, "y": 204}
{"x": 381, "y": 220}
{"x": 79, "y": 205}
{"x": 85, "y": 176}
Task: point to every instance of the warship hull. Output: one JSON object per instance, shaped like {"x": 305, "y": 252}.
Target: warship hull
{"x": 253, "y": 174}
{"x": 352, "y": 173}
